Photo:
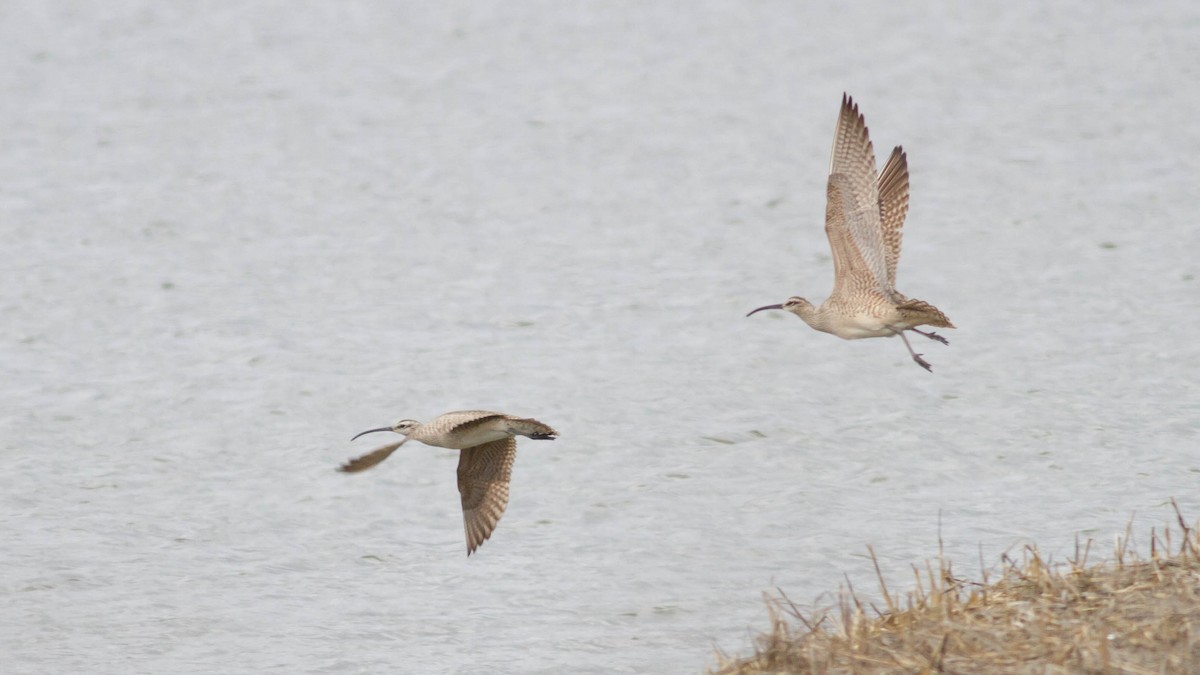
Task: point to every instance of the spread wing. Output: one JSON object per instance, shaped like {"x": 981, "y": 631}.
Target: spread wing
{"x": 484, "y": 472}
{"x": 893, "y": 207}
{"x": 852, "y": 220}
{"x": 370, "y": 459}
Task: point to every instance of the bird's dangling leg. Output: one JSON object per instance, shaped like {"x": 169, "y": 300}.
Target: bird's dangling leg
{"x": 916, "y": 357}
{"x": 931, "y": 335}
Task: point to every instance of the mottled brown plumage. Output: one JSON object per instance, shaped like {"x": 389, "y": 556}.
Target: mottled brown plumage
{"x": 864, "y": 221}
{"x": 484, "y": 472}
{"x": 893, "y": 207}
{"x": 488, "y": 450}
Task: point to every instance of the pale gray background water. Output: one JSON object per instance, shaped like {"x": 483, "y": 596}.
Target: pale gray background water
{"x": 235, "y": 234}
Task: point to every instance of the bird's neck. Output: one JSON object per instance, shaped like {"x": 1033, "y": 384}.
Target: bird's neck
{"x": 816, "y": 317}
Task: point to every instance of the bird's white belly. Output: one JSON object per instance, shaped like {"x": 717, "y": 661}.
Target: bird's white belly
{"x": 861, "y": 326}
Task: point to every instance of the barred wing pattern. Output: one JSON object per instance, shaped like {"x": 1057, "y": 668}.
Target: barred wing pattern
{"x": 893, "y": 208}
{"x": 852, "y": 220}
{"x": 484, "y": 472}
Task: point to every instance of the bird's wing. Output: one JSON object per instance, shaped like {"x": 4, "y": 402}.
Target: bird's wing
{"x": 462, "y": 421}
{"x": 370, "y": 459}
{"x": 484, "y": 472}
{"x": 852, "y": 211}
{"x": 893, "y": 207}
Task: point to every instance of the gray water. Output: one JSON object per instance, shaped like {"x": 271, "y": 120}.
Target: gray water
{"x": 235, "y": 234}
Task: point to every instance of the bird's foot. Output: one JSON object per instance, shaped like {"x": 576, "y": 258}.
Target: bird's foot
{"x": 916, "y": 357}
{"x": 932, "y": 336}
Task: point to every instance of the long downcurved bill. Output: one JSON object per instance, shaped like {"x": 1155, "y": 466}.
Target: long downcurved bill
{"x": 370, "y": 431}
{"x": 751, "y": 313}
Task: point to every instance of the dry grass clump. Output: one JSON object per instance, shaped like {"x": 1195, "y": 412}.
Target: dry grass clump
{"x": 1129, "y": 615}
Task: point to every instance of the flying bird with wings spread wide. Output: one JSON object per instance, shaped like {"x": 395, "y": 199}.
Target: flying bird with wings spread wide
{"x": 864, "y": 221}
{"x": 488, "y": 448}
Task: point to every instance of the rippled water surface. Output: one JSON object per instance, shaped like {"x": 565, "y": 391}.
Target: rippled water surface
{"x": 235, "y": 234}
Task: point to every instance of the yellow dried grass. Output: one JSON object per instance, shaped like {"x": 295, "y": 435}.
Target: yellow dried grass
{"x": 1127, "y": 615}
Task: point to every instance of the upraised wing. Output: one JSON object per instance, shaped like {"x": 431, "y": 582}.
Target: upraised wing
{"x": 893, "y": 207}
{"x": 852, "y": 219}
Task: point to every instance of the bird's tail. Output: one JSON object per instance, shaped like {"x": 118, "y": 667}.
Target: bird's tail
{"x": 921, "y": 313}
{"x": 531, "y": 428}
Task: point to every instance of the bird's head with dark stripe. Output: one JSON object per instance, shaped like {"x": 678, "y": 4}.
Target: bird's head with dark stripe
{"x": 403, "y": 427}
{"x": 794, "y": 304}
